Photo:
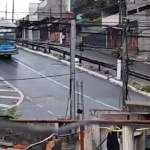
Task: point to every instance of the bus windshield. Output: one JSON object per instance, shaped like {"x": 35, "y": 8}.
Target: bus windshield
{"x": 7, "y": 38}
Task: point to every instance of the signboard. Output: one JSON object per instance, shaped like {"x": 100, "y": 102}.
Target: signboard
{"x": 5, "y": 30}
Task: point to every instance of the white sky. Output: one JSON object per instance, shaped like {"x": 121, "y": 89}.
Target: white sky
{"x": 21, "y": 8}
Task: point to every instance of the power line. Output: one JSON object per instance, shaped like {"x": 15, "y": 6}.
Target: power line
{"x": 34, "y": 78}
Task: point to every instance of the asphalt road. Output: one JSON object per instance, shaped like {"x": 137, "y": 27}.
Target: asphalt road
{"x": 46, "y": 88}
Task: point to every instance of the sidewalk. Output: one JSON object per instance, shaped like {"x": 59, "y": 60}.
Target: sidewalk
{"x": 108, "y": 58}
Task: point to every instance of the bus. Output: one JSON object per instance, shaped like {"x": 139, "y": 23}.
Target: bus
{"x": 8, "y": 45}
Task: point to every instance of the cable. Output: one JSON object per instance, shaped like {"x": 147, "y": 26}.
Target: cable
{"x": 59, "y": 75}
{"x": 10, "y": 135}
{"x": 40, "y": 142}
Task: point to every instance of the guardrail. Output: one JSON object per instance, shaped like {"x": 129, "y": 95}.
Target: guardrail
{"x": 38, "y": 46}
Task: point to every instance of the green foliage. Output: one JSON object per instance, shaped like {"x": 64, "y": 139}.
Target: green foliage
{"x": 86, "y": 6}
{"x": 11, "y": 112}
{"x": 146, "y": 88}
{"x": 98, "y": 20}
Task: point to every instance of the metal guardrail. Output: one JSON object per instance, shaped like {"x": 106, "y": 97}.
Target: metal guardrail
{"x": 82, "y": 58}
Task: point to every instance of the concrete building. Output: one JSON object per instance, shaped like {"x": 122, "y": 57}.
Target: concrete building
{"x": 49, "y": 8}
{"x": 138, "y": 13}
{"x": 34, "y": 32}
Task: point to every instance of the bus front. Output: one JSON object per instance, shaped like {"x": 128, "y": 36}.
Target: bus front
{"x": 8, "y": 42}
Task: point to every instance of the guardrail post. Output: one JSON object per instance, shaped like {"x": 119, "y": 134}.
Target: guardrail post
{"x": 99, "y": 67}
{"x": 49, "y": 50}
{"x": 63, "y": 55}
{"x": 80, "y": 60}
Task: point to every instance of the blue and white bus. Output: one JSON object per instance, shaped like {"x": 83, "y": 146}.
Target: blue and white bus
{"x": 8, "y": 38}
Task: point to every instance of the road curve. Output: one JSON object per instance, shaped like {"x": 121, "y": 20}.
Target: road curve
{"x": 45, "y": 84}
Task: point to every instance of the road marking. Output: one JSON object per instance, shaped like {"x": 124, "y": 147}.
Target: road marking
{"x": 10, "y": 97}
{"x": 39, "y": 105}
{"x": 50, "y": 112}
{"x": 29, "y": 99}
{"x": 64, "y": 86}
{"x": 3, "y": 84}
{"x": 6, "y": 90}
{"x": 20, "y": 99}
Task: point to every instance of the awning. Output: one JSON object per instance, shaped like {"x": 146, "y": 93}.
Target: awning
{"x": 110, "y": 21}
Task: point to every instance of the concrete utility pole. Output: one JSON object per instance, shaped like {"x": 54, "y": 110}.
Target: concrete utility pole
{"x": 124, "y": 58}
{"x": 128, "y": 138}
{"x": 6, "y": 12}
{"x": 72, "y": 71}
{"x": 13, "y": 7}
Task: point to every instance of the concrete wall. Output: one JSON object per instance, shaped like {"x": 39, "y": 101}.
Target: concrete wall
{"x": 143, "y": 19}
{"x": 33, "y": 8}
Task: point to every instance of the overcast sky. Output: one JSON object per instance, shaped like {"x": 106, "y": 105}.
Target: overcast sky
{"x": 21, "y": 8}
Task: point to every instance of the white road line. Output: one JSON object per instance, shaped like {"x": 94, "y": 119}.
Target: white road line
{"x": 9, "y": 97}
{"x": 39, "y": 105}
{"x": 66, "y": 87}
{"x": 7, "y": 90}
{"x": 29, "y": 99}
{"x": 5, "y": 106}
{"x": 3, "y": 84}
{"x": 20, "y": 99}
{"x": 50, "y": 112}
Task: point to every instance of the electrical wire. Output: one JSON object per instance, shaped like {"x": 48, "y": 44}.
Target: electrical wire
{"x": 40, "y": 142}
{"x": 42, "y": 77}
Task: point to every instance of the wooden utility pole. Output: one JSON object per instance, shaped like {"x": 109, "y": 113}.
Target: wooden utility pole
{"x": 6, "y": 12}
{"x": 124, "y": 58}
{"x": 128, "y": 138}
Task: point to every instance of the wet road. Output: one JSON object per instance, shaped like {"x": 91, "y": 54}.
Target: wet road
{"x": 45, "y": 85}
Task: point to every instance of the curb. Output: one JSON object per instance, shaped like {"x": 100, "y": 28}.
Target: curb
{"x": 98, "y": 75}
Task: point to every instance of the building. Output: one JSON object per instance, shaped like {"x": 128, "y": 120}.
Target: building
{"x": 55, "y": 8}
{"x": 138, "y": 15}
{"x": 33, "y": 32}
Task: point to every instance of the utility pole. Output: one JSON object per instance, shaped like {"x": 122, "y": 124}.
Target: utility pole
{"x": 6, "y": 12}
{"x": 124, "y": 58}
{"x": 120, "y": 13}
{"x": 72, "y": 71}
{"x": 61, "y": 11}
{"x": 50, "y": 13}
{"x": 13, "y": 7}
{"x": 60, "y": 26}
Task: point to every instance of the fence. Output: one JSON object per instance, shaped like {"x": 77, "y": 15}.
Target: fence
{"x": 89, "y": 139}
{"x": 39, "y": 46}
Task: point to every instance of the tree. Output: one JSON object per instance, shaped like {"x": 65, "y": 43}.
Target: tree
{"x": 86, "y": 6}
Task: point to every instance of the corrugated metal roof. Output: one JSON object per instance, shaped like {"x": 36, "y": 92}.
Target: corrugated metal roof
{"x": 8, "y": 24}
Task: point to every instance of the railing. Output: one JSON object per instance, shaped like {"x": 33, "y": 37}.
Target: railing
{"x": 128, "y": 129}
{"x": 81, "y": 58}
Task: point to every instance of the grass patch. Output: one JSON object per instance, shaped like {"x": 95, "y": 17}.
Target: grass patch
{"x": 145, "y": 88}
